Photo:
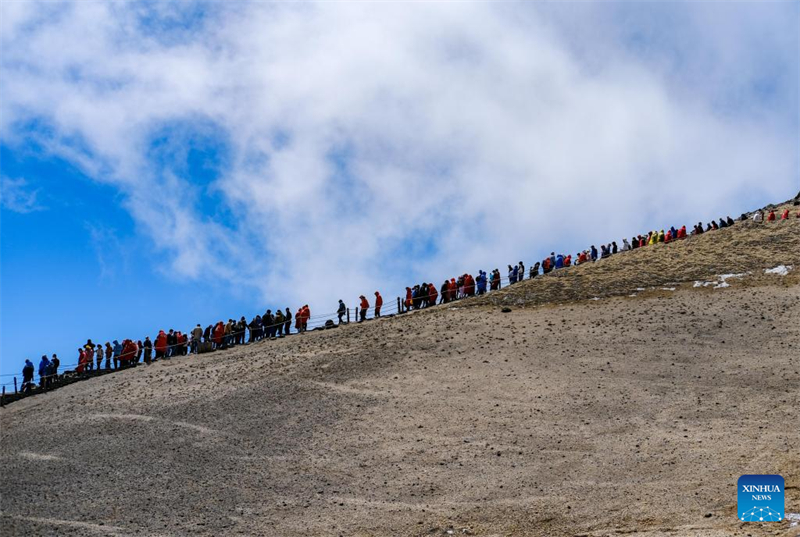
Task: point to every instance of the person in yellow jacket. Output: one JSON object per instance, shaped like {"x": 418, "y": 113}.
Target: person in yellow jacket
{"x": 661, "y": 236}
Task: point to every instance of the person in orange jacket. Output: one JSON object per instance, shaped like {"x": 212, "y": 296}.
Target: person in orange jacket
{"x": 568, "y": 260}
{"x": 298, "y": 320}
{"x": 364, "y": 307}
{"x": 409, "y": 298}
{"x": 378, "y": 304}
{"x": 161, "y": 344}
{"x": 785, "y": 214}
{"x": 453, "y": 289}
{"x": 469, "y": 285}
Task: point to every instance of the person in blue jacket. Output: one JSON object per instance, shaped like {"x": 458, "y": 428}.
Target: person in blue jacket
{"x": 481, "y": 282}
{"x": 117, "y": 351}
{"x": 559, "y": 261}
{"x": 44, "y": 371}
{"x": 512, "y": 274}
{"x": 594, "y": 253}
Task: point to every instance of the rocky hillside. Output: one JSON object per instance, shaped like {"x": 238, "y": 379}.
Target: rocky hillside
{"x": 621, "y": 398}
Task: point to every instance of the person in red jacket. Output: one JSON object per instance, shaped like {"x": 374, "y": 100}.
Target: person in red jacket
{"x": 364, "y": 307}
{"x": 129, "y": 350}
{"x": 453, "y": 289}
{"x": 409, "y": 298}
{"x": 378, "y": 304}
{"x": 161, "y": 344}
{"x": 433, "y": 295}
{"x": 298, "y": 320}
{"x": 682, "y": 232}
{"x": 219, "y": 334}
{"x": 771, "y": 216}
{"x": 568, "y": 260}
{"x": 81, "y": 360}
{"x": 785, "y": 214}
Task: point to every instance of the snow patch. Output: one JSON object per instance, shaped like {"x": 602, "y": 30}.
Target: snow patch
{"x": 794, "y": 517}
{"x": 780, "y": 270}
{"x": 667, "y": 288}
{"x": 722, "y": 280}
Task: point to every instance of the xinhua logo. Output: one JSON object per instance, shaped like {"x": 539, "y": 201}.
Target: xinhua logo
{"x": 760, "y": 498}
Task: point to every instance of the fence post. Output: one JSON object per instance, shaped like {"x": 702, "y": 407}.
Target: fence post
{"x": 356, "y": 313}
{"x": 348, "y": 315}
{"x": 15, "y": 385}
{"x": 398, "y": 306}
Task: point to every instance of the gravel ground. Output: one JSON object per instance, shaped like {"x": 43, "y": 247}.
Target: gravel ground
{"x": 623, "y": 415}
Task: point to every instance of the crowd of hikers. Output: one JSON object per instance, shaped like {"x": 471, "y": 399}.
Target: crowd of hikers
{"x": 222, "y": 335}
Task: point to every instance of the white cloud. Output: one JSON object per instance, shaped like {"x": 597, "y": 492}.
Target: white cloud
{"x": 361, "y": 134}
{"x": 16, "y": 195}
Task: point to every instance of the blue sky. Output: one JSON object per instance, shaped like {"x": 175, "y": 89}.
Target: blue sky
{"x": 164, "y": 164}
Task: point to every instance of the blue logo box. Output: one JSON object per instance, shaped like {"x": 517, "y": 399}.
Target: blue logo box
{"x": 760, "y": 498}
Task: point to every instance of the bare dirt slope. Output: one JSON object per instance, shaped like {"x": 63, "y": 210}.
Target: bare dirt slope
{"x": 622, "y": 415}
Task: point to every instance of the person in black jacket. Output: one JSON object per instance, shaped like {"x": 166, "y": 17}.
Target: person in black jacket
{"x": 148, "y": 350}
{"x": 27, "y": 377}
{"x": 287, "y": 321}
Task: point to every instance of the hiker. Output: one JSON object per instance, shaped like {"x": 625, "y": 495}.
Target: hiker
{"x": 546, "y": 265}
{"x": 433, "y": 295}
{"x": 98, "y": 353}
{"x": 535, "y": 270}
{"x": 512, "y": 275}
{"x": 625, "y": 245}
{"x": 117, "y": 351}
{"x": 55, "y": 362}
{"x": 287, "y": 322}
{"x": 241, "y": 330}
{"x": 568, "y": 260}
{"x": 364, "y": 306}
{"x": 593, "y": 253}
{"x": 81, "y": 360}
{"x": 89, "y": 350}
{"x": 682, "y": 232}
{"x": 140, "y": 351}
{"x": 785, "y": 214}
{"x": 521, "y": 272}
{"x": 27, "y": 377}
{"x": 379, "y": 302}
{"x": 44, "y": 365}
{"x": 219, "y": 335}
{"x": 559, "y": 261}
{"x": 161, "y": 344}
{"x": 758, "y": 216}
{"x": 730, "y": 221}
{"x": 197, "y": 335}
{"x": 481, "y": 282}
{"x": 109, "y": 354}
{"x": 207, "y": 334}
{"x": 722, "y": 223}
{"x": 148, "y": 350}
{"x": 254, "y": 328}
{"x": 269, "y": 323}
{"x": 279, "y": 320}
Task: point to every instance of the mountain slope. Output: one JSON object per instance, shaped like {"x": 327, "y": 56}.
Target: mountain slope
{"x": 565, "y": 416}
